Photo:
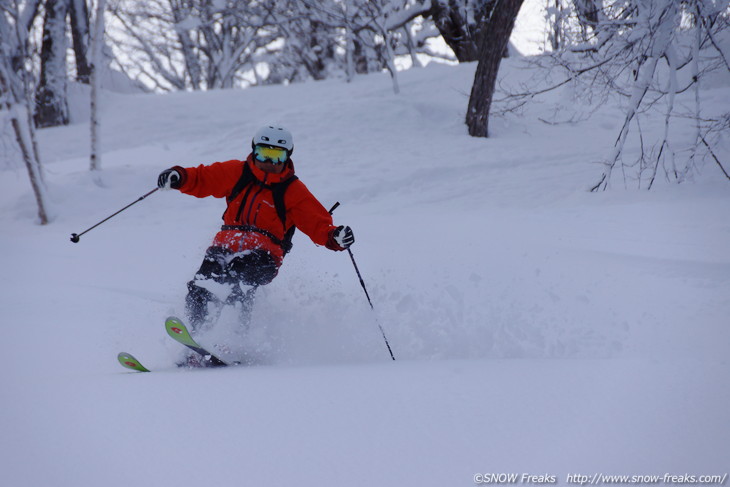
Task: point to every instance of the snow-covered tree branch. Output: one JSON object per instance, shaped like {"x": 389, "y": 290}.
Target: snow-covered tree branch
{"x": 643, "y": 53}
{"x": 204, "y": 44}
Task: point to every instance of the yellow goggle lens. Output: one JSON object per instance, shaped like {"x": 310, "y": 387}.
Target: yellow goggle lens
{"x": 275, "y": 155}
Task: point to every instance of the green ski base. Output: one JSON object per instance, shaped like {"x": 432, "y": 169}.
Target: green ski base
{"x": 128, "y": 361}
{"x": 179, "y": 332}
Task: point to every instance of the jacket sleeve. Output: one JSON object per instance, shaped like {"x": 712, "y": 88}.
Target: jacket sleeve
{"x": 308, "y": 214}
{"x": 215, "y": 180}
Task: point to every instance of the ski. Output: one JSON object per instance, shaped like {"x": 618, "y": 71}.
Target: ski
{"x": 128, "y": 361}
{"x": 179, "y": 332}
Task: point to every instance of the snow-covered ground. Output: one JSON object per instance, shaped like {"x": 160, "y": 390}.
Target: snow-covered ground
{"x": 538, "y": 328}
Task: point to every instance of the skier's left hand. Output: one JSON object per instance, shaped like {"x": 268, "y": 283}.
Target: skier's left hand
{"x": 341, "y": 238}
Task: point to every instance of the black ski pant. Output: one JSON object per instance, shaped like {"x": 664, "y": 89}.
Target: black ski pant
{"x": 243, "y": 272}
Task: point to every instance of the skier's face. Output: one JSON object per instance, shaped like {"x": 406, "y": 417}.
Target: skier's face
{"x": 270, "y": 159}
{"x": 268, "y": 167}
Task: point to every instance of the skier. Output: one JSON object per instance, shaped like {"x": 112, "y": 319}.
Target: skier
{"x": 265, "y": 202}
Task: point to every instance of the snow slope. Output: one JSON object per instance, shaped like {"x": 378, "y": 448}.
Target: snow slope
{"x": 538, "y": 328}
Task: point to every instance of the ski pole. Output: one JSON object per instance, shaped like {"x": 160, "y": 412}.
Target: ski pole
{"x": 362, "y": 283}
{"x": 76, "y": 236}
{"x": 367, "y": 295}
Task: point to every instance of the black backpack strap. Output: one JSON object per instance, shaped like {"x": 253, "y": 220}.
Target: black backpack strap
{"x": 279, "y": 190}
{"x": 245, "y": 179}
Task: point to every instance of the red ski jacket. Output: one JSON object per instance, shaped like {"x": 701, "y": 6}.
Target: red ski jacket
{"x": 253, "y": 209}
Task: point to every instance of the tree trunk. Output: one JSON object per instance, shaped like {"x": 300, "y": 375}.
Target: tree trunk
{"x": 96, "y": 69}
{"x": 587, "y": 11}
{"x": 25, "y": 19}
{"x": 79, "y": 16}
{"x": 51, "y": 102}
{"x": 496, "y": 32}
{"x": 180, "y": 12}
{"x": 461, "y": 25}
{"x": 454, "y": 31}
{"x": 23, "y": 135}
{"x": 31, "y": 164}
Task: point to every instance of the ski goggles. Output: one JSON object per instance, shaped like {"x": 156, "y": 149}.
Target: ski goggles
{"x": 275, "y": 155}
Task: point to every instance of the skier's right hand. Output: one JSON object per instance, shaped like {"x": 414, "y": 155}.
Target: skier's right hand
{"x": 169, "y": 179}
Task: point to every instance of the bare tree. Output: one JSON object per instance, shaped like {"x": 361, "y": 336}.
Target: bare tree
{"x": 380, "y": 13}
{"x": 15, "y": 94}
{"x": 96, "y": 66}
{"x": 309, "y": 49}
{"x": 51, "y": 103}
{"x": 496, "y": 30}
{"x": 371, "y": 33}
{"x": 587, "y": 14}
{"x": 646, "y": 53}
{"x": 191, "y": 44}
{"x": 182, "y": 10}
{"x": 203, "y": 44}
{"x": 17, "y": 21}
{"x": 79, "y": 21}
{"x": 147, "y": 43}
{"x": 460, "y": 23}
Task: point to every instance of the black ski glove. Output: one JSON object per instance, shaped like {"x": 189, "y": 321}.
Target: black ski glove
{"x": 341, "y": 238}
{"x": 169, "y": 179}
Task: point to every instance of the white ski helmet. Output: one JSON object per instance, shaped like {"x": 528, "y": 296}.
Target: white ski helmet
{"x": 273, "y": 135}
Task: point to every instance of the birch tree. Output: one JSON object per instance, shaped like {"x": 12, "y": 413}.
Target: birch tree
{"x": 96, "y": 67}
{"x": 51, "y": 103}
{"x": 15, "y": 94}
{"x": 79, "y": 22}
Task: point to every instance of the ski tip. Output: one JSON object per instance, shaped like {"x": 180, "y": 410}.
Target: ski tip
{"x": 178, "y": 331}
{"x": 173, "y": 321}
{"x": 129, "y": 362}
